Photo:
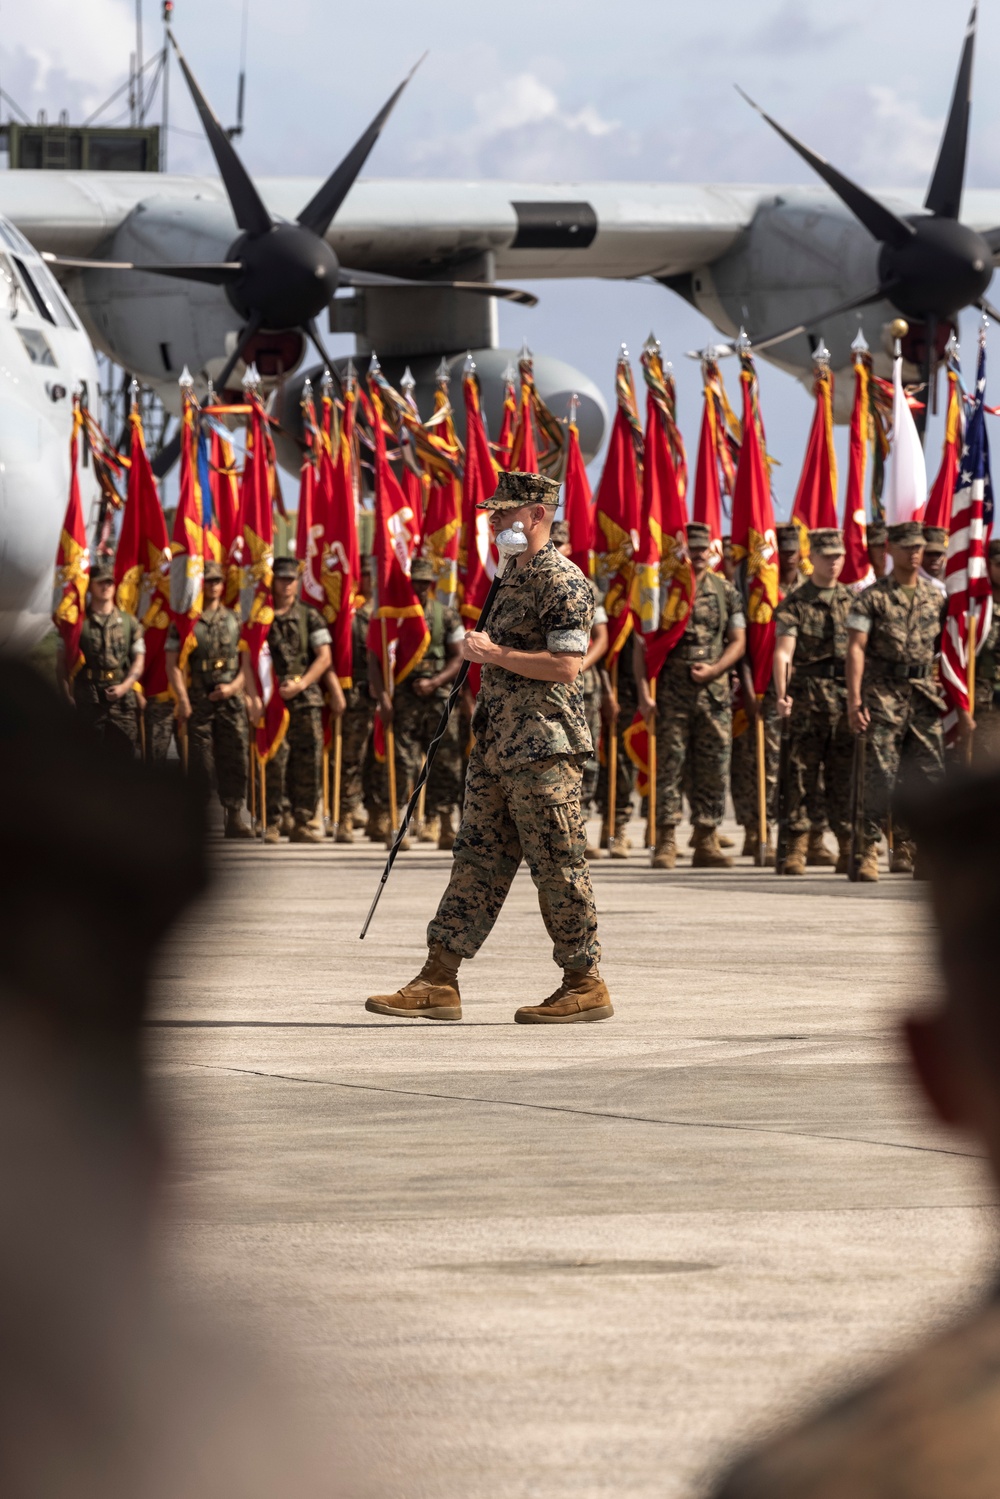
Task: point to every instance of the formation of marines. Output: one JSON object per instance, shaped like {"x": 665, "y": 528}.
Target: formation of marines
{"x": 847, "y": 662}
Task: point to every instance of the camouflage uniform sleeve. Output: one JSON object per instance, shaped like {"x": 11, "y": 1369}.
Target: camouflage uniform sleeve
{"x": 735, "y": 609}
{"x": 454, "y": 630}
{"x": 138, "y": 639}
{"x": 566, "y": 612}
{"x": 786, "y": 619}
{"x": 319, "y": 634}
{"x": 862, "y": 613}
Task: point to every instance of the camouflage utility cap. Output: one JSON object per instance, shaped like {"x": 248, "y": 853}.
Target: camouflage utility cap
{"x": 286, "y": 567}
{"x": 516, "y": 489}
{"x": 102, "y": 570}
{"x": 787, "y": 537}
{"x": 876, "y": 533}
{"x": 422, "y": 571}
{"x": 213, "y": 572}
{"x": 698, "y": 534}
{"x": 909, "y": 533}
{"x": 936, "y": 538}
{"x": 559, "y": 534}
{"x": 826, "y": 542}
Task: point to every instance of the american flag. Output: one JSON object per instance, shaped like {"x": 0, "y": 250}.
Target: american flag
{"x": 966, "y": 576}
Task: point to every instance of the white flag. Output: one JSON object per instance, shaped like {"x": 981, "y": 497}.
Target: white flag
{"x": 906, "y": 489}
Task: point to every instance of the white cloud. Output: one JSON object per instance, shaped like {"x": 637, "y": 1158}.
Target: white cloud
{"x": 526, "y": 100}
{"x": 907, "y": 141}
{"x": 64, "y": 54}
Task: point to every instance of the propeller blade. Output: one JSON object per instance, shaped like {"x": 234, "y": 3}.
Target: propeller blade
{"x": 168, "y": 455}
{"x": 319, "y": 212}
{"x": 484, "y": 288}
{"x": 992, "y": 238}
{"x": 244, "y": 199}
{"x": 989, "y": 310}
{"x": 216, "y": 273}
{"x": 944, "y": 196}
{"x": 863, "y": 301}
{"x": 877, "y": 219}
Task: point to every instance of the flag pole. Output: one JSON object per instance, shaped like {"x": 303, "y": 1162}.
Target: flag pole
{"x": 651, "y": 792}
{"x": 390, "y": 733}
{"x": 761, "y": 786}
{"x": 326, "y": 787}
{"x": 262, "y": 766}
{"x": 338, "y": 761}
{"x": 252, "y": 751}
{"x": 613, "y": 760}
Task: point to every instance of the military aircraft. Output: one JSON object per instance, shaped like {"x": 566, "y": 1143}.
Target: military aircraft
{"x": 167, "y": 271}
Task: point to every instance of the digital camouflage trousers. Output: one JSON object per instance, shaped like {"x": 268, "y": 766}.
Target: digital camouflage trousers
{"x": 218, "y": 746}
{"x": 293, "y": 776}
{"x": 532, "y": 813}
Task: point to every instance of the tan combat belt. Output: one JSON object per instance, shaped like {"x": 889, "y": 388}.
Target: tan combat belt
{"x": 106, "y": 678}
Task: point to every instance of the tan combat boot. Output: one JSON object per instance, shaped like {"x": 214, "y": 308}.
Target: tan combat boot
{"x": 868, "y": 865}
{"x": 429, "y": 830}
{"x": 378, "y": 826}
{"x": 272, "y": 833}
{"x": 432, "y": 995}
{"x": 844, "y": 856}
{"x": 818, "y": 856}
{"x": 582, "y": 995}
{"x": 665, "y": 853}
{"x": 286, "y": 823}
{"x": 707, "y": 853}
{"x": 796, "y": 856}
{"x": 235, "y": 826}
{"x": 620, "y": 845}
{"x": 345, "y": 833}
{"x": 306, "y": 832}
{"x": 446, "y": 837}
{"x": 749, "y": 843}
{"x": 901, "y": 861}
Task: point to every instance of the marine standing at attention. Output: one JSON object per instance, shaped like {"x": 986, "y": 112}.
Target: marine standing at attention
{"x": 522, "y": 797}
{"x": 114, "y": 654}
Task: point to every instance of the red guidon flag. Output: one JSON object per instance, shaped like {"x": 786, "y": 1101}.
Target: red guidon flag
{"x": 142, "y": 563}
{"x": 226, "y": 505}
{"x": 310, "y": 523}
{"x": 938, "y": 512}
{"x": 718, "y": 446}
{"x": 340, "y": 569}
{"x": 815, "y": 503}
{"x": 477, "y": 554}
{"x": 505, "y": 441}
{"x": 858, "y": 571}
{"x": 72, "y": 561}
{"x": 443, "y": 520}
{"x": 187, "y": 551}
{"x": 578, "y": 503}
{"x": 398, "y": 632}
{"x": 663, "y": 585}
{"x": 523, "y": 450}
{"x": 257, "y": 606}
{"x": 755, "y": 550}
{"x": 617, "y": 510}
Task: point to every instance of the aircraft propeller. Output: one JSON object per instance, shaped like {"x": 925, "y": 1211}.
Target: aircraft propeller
{"x": 280, "y": 275}
{"x": 930, "y": 266}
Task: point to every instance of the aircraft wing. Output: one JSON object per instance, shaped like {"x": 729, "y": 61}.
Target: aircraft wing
{"x": 607, "y": 229}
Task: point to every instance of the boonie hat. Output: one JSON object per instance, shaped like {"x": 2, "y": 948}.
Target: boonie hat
{"x": 515, "y": 489}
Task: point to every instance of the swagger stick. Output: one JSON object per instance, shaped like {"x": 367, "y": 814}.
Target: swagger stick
{"x": 509, "y": 545}
{"x": 612, "y": 758}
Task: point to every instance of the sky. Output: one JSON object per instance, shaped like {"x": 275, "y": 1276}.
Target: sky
{"x": 641, "y": 91}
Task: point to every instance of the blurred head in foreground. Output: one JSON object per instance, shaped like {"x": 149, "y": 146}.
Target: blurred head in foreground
{"x": 108, "y": 1389}
{"x": 929, "y": 1427}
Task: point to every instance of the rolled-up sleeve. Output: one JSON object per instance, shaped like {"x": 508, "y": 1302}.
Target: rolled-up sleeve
{"x": 785, "y": 622}
{"x": 567, "y": 614}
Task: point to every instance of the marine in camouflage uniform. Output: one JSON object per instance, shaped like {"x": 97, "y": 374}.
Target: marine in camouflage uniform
{"x": 591, "y": 679}
{"x": 523, "y": 787}
{"x": 694, "y": 717}
{"x": 894, "y": 633}
{"x": 811, "y": 639}
{"x": 211, "y": 701}
{"x": 299, "y": 642}
{"x": 743, "y": 774}
{"x": 359, "y": 715}
{"x": 416, "y": 710}
{"x": 113, "y": 651}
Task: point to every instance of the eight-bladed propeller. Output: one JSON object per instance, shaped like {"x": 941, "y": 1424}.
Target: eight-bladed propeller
{"x": 280, "y": 275}
{"x": 930, "y": 266}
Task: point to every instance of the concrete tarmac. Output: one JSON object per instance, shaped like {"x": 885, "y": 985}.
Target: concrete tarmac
{"x": 561, "y": 1261}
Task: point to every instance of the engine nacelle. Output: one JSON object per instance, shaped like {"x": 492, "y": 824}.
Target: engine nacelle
{"x": 555, "y": 380}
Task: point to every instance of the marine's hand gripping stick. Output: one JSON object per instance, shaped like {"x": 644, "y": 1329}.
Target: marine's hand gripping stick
{"x": 510, "y": 544}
